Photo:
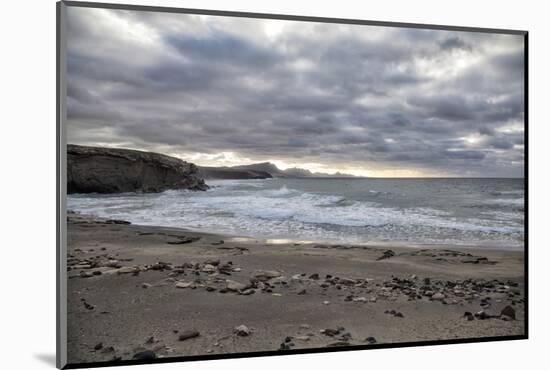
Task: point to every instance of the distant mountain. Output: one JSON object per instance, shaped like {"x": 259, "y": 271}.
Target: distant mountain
{"x": 261, "y": 171}
{"x": 229, "y": 173}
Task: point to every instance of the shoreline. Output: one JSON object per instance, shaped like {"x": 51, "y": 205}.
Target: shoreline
{"x": 153, "y": 291}
{"x": 274, "y": 240}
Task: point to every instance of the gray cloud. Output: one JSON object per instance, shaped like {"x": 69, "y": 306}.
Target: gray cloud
{"x": 379, "y": 100}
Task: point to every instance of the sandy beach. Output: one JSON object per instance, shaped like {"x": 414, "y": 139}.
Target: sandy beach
{"x": 141, "y": 292}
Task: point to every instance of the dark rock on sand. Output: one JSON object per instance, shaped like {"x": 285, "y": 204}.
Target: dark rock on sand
{"x": 387, "y": 254}
{"x": 108, "y": 170}
{"x": 98, "y": 346}
{"x": 188, "y": 334}
{"x": 331, "y": 332}
{"x": 145, "y": 355}
{"x": 482, "y": 315}
{"x": 469, "y": 316}
{"x": 370, "y": 340}
{"x": 184, "y": 240}
{"x": 509, "y": 311}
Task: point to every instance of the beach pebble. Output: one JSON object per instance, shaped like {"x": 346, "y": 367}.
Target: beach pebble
{"x": 145, "y": 355}
{"x": 360, "y": 299}
{"x": 370, "y": 340}
{"x": 326, "y": 302}
{"x": 98, "y": 346}
{"x": 314, "y": 276}
{"x": 438, "y": 296}
{"x": 469, "y": 316}
{"x": 242, "y": 330}
{"x": 208, "y": 268}
{"x": 183, "y": 284}
{"x": 188, "y": 334}
{"x": 234, "y": 285}
{"x": 146, "y": 285}
{"x": 481, "y": 315}
{"x": 330, "y": 332}
{"x": 301, "y": 292}
{"x": 264, "y": 275}
{"x": 126, "y": 270}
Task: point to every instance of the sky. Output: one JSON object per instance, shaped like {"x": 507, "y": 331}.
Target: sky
{"x": 364, "y": 100}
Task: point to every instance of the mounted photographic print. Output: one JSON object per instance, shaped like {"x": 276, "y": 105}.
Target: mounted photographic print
{"x": 237, "y": 184}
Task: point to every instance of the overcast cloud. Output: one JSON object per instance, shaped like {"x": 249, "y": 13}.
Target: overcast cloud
{"x": 367, "y": 100}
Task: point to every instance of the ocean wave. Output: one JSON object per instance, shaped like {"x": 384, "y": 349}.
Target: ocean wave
{"x": 253, "y": 208}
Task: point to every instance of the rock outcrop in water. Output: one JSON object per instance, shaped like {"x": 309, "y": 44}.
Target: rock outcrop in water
{"x": 108, "y": 170}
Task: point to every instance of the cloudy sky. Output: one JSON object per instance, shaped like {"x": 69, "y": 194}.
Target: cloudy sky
{"x": 366, "y": 100}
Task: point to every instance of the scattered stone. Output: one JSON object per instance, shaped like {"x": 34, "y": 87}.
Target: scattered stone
{"x": 387, "y": 254}
{"x": 301, "y": 292}
{"x": 86, "y": 274}
{"x": 482, "y": 315}
{"x": 304, "y": 326}
{"x": 326, "y": 302}
{"x": 284, "y": 347}
{"x": 438, "y": 296}
{"x": 359, "y": 299}
{"x": 184, "y": 240}
{"x": 183, "y": 284}
{"x": 509, "y": 311}
{"x": 242, "y": 330}
{"x": 370, "y": 340}
{"x": 469, "y": 316}
{"x": 151, "y": 340}
{"x": 234, "y": 285}
{"x": 277, "y": 294}
{"x": 331, "y": 332}
{"x": 220, "y": 242}
{"x": 146, "y": 285}
{"x": 188, "y": 334}
{"x": 145, "y": 355}
{"x": 314, "y": 276}
{"x": 98, "y": 346}
{"x": 304, "y": 338}
{"x": 89, "y": 306}
{"x": 266, "y": 275}
{"x": 126, "y": 270}
{"x": 208, "y": 268}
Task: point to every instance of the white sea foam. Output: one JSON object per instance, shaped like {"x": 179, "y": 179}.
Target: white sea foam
{"x": 255, "y": 209}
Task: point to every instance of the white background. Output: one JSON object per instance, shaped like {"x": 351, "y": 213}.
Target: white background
{"x": 27, "y": 144}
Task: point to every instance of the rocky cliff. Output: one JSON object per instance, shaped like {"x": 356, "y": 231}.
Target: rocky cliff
{"x": 107, "y": 170}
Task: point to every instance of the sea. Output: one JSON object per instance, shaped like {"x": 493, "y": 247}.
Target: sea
{"x": 411, "y": 212}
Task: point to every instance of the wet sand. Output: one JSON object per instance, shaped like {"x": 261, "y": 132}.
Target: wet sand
{"x": 143, "y": 292}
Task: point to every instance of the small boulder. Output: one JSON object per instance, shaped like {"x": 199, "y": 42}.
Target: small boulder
{"x": 242, "y": 330}
{"x": 188, "y": 334}
{"x": 509, "y": 312}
